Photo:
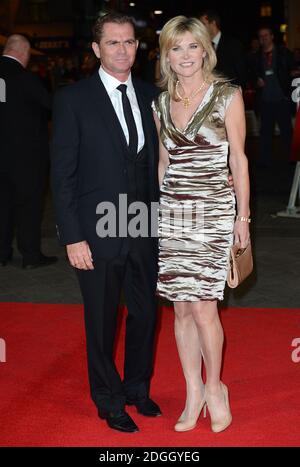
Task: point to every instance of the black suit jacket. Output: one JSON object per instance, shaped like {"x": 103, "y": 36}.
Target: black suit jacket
{"x": 89, "y": 159}
{"x": 23, "y": 119}
{"x": 232, "y": 60}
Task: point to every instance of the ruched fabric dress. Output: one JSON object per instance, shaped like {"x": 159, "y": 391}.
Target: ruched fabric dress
{"x": 197, "y": 204}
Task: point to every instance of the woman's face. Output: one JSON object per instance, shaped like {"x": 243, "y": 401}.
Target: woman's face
{"x": 186, "y": 55}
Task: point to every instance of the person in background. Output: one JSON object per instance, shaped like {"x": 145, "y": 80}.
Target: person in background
{"x": 88, "y": 66}
{"x": 153, "y": 69}
{"x": 254, "y": 46}
{"x": 231, "y": 59}
{"x": 271, "y": 73}
{"x": 59, "y": 71}
{"x": 71, "y": 74}
{"x": 24, "y": 156}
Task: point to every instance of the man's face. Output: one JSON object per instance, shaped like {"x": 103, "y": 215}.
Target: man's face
{"x": 117, "y": 49}
{"x": 211, "y": 27}
{"x": 265, "y": 38}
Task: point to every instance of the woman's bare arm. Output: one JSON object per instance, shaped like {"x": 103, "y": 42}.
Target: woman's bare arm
{"x": 163, "y": 153}
{"x": 236, "y": 131}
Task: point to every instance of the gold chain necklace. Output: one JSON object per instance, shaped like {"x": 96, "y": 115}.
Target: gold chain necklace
{"x": 187, "y": 100}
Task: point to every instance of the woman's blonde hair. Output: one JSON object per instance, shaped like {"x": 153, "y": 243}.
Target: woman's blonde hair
{"x": 173, "y": 29}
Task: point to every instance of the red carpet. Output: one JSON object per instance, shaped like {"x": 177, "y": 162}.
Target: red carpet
{"x": 44, "y": 396}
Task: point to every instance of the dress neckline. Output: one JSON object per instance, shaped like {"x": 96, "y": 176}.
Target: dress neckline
{"x": 204, "y": 100}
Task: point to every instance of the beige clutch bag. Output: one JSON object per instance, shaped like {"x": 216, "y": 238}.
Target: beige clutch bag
{"x": 241, "y": 265}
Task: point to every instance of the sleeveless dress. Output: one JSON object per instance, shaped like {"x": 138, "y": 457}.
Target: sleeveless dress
{"x": 197, "y": 204}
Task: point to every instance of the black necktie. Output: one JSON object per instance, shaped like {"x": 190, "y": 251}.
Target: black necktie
{"x": 132, "y": 130}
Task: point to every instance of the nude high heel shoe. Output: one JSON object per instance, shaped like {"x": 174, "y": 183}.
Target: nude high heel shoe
{"x": 189, "y": 424}
{"x": 221, "y": 423}
{"x": 183, "y": 416}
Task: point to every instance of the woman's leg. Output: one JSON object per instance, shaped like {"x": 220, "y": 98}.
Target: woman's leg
{"x": 206, "y": 317}
{"x": 189, "y": 349}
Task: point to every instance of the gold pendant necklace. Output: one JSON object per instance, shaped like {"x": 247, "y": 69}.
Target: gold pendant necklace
{"x": 187, "y": 100}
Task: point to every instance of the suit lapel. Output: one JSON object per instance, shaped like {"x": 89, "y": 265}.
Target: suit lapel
{"x": 146, "y": 115}
{"x": 107, "y": 113}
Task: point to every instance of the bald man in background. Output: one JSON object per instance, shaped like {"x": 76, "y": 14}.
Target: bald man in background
{"x": 24, "y": 155}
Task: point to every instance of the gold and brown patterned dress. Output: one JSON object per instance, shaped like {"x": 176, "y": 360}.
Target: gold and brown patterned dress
{"x": 197, "y": 205}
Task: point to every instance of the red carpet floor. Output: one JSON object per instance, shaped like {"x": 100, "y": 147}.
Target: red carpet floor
{"x": 44, "y": 395}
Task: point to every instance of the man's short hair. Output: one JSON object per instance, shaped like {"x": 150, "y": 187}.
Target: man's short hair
{"x": 212, "y": 15}
{"x": 267, "y": 27}
{"x": 116, "y": 18}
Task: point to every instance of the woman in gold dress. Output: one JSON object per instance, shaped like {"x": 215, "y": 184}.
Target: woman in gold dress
{"x": 200, "y": 120}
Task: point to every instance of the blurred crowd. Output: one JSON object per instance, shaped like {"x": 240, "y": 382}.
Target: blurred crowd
{"x": 58, "y": 70}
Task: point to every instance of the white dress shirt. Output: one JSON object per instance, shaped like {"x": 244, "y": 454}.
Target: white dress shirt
{"x": 216, "y": 40}
{"x": 111, "y": 84}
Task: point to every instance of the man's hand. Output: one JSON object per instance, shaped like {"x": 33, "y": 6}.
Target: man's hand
{"x": 80, "y": 255}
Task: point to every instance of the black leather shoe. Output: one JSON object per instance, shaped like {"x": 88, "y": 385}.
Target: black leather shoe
{"x": 120, "y": 421}
{"x": 42, "y": 261}
{"x": 146, "y": 407}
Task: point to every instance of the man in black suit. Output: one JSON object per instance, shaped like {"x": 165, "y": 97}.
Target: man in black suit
{"x": 105, "y": 145}
{"x": 271, "y": 70}
{"x": 24, "y": 155}
{"x": 231, "y": 60}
